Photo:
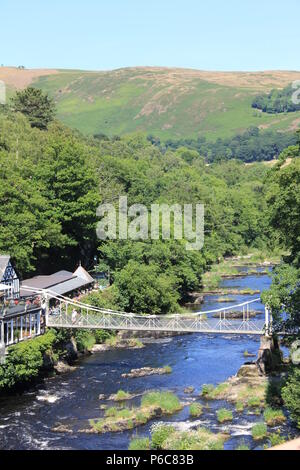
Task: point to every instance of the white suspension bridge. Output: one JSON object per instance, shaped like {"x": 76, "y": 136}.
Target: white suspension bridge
{"x": 68, "y": 313}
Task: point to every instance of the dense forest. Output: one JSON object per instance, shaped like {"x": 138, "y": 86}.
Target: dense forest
{"x": 251, "y": 146}
{"x": 53, "y": 179}
{"x": 277, "y": 101}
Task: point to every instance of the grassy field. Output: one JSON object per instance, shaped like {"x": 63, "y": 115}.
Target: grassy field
{"x": 168, "y": 103}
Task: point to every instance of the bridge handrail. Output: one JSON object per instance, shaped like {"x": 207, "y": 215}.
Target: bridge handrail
{"x": 60, "y": 297}
{"x": 222, "y": 309}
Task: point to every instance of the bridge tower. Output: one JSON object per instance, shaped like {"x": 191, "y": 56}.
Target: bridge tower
{"x": 268, "y": 321}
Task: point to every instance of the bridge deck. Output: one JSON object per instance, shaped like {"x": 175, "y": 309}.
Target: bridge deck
{"x": 172, "y": 324}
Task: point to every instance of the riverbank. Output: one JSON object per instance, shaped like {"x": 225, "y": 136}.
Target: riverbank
{"x": 55, "y": 352}
{"x": 255, "y": 263}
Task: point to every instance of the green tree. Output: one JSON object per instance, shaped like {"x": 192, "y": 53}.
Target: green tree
{"x": 291, "y": 394}
{"x": 284, "y": 299}
{"x": 36, "y": 106}
{"x": 283, "y": 197}
{"x": 26, "y": 226}
{"x": 143, "y": 289}
{"x": 68, "y": 183}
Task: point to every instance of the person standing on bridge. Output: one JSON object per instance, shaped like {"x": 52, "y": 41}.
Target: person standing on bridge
{"x": 74, "y": 315}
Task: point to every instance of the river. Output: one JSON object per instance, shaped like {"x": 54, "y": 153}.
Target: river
{"x": 73, "y": 398}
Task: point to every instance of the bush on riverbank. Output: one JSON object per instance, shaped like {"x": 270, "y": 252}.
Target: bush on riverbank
{"x": 166, "y": 437}
{"x": 254, "y": 402}
{"x": 206, "y": 391}
{"x": 159, "y": 434}
{"x": 26, "y": 360}
{"x": 85, "y": 340}
{"x": 122, "y": 396}
{"x": 224, "y": 415}
{"x": 202, "y": 439}
{"x": 239, "y": 406}
{"x": 274, "y": 417}
{"x": 213, "y": 393}
{"x": 291, "y": 394}
{"x": 275, "y": 439}
{"x": 259, "y": 431}
{"x": 196, "y": 410}
{"x": 139, "y": 443}
{"x": 167, "y": 401}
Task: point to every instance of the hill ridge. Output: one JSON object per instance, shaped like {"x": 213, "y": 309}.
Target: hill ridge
{"x": 168, "y": 102}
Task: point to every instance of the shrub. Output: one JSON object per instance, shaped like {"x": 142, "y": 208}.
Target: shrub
{"x": 202, "y": 439}
{"x": 275, "y": 439}
{"x": 239, "y": 406}
{"x": 219, "y": 390}
{"x": 112, "y": 341}
{"x": 196, "y": 410}
{"x": 121, "y": 395}
{"x": 142, "y": 417}
{"x": 167, "y": 401}
{"x": 274, "y": 417}
{"x": 291, "y": 394}
{"x": 135, "y": 343}
{"x": 224, "y": 415}
{"x": 119, "y": 419}
{"x": 101, "y": 336}
{"x": 85, "y": 340}
{"x": 139, "y": 443}
{"x": 124, "y": 413}
{"x": 207, "y": 389}
{"x": 210, "y": 392}
{"x": 254, "y": 402}
{"x": 259, "y": 431}
{"x": 160, "y": 434}
{"x": 111, "y": 412}
{"x": 25, "y": 360}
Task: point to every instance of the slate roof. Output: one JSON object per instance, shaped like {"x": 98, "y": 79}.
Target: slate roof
{"x": 61, "y": 282}
{"x": 69, "y": 286}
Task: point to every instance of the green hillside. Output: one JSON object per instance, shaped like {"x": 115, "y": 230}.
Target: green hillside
{"x": 168, "y": 103}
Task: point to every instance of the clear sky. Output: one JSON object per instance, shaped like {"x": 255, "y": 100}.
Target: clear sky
{"x": 109, "y": 34}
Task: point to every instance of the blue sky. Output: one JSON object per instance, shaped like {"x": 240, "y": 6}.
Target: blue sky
{"x": 109, "y": 34}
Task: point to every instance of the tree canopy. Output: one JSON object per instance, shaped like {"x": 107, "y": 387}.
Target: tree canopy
{"x": 250, "y": 146}
{"x": 36, "y": 106}
{"x": 53, "y": 180}
{"x": 277, "y": 101}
